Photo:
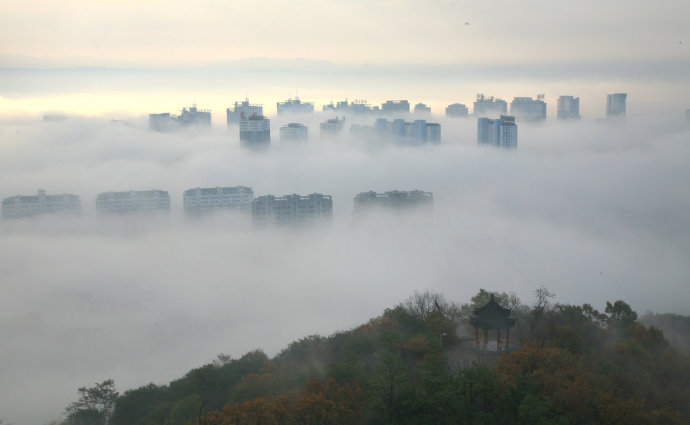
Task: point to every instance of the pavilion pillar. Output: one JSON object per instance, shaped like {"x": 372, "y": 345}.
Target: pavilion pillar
{"x": 498, "y": 339}
{"x": 486, "y": 337}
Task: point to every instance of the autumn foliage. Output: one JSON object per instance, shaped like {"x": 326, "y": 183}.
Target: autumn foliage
{"x": 318, "y": 403}
{"x": 566, "y": 365}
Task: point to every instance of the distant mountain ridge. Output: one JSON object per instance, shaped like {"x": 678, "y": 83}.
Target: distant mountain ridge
{"x": 674, "y": 69}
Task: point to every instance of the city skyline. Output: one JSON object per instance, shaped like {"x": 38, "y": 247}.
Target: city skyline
{"x": 133, "y": 47}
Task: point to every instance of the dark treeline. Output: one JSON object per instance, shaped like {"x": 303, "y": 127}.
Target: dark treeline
{"x": 567, "y": 364}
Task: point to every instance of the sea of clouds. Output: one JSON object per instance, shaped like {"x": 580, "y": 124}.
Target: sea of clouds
{"x": 594, "y": 211}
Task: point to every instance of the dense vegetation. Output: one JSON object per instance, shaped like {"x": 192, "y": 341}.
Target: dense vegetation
{"x": 568, "y": 365}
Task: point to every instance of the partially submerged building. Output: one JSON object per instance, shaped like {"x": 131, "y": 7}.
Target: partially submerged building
{"x": 416, "y": 132}
{"x": 365, "y": 202}
{"x": 255, "y": 130}
{"x": 528, "y": 109}
{"x": 457, "y": 110}
{"x": 292, "y": 210}
{"x": 331, "y": 127}
{"x": 489, "y": 106}
{"x": 500, "y": 132}
{"x": 133, "y": 201}
{"x": 191, "y": 116}
{"x": 294, "y": 131}
{"x": 294, "y": 106}
{"x": 242, "y": 109}
{"x": 31, "y": 206}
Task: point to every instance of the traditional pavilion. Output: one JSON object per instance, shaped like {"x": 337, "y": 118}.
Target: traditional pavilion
{"x": 492, "y": 317}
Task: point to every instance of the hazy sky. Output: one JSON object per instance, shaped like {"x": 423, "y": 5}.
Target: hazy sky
{"x": 156, "y": 32}
{"x": 436, "y": 52}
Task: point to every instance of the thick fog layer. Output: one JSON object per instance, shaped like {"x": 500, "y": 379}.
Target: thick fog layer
{"x": 592, "y": 211}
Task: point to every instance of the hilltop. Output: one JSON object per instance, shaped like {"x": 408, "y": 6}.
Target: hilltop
{"x": 417, "y": 364}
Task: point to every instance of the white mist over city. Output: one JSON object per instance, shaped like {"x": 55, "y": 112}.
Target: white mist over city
{"x": 516, "y": 166}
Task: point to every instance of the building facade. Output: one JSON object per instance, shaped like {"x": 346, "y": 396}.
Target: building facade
{"x": 396, "y": 107}
{"x": 191, "y": 116}
{"x": 133, "y": 202}
{"x": 255, "y": 130}
{"x": 396, "y": 200}
{"x": 163, "y": 122}
{"x": 489, "y": 106}
{"x": 195, "y": 116}
{"x": 242, "y": 109}
{"x": 457, "y": 110}
{"x": 295, "y": 106}
{"x": 356, "y": 107}
{"x": 422, "y": 109}
{"x": 616, "y": 105}
{"x": 32, "y": 206}
{"x": 500, "y": 132}
{"x": 292, "y": 210}
{"x": 294, "y": 131}
{"x": 528, "y": 109}
{"x": 568, "y": 108}
{"x": 331, "y": 127}
{"x": 202, "y": 201}
{"x": 414, "y": 132}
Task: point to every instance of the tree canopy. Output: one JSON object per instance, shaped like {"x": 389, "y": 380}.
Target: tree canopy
{"x": 567, "y": 364}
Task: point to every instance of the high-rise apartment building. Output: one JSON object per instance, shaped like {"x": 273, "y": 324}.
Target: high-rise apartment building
{"x": 202, "y": 201}
{"x": 31, "y": 206}
{"x": 568, "y": 108}
{"x": 255, "y": 130}
{"x": 163, "y": 122}
{"x": 331, "y": 127}
{"x": 195, "y": 116}
{"x": 500, "y": 132}
{"x": 414, "y": 132}
{"x": 457, "y": 110}
{"x": 188, "y": 117}
{"x": 294, "y": 106}
{"x": 292, "y": 209}
{"x": 616, "y": 105}
{"x": 132, "y": 201}
{"x": 396, "y": 200}
{"x": 242, "y": 109}
{"x": 489, "y": 107}
{"x": 433, "y": 132}
{"x": 396, "y": 107}
{"x": 356, "y": 107}
{"x": 528, "y": 109}
{"x": 422, "y": 109}
{"x": 294, "y": 131}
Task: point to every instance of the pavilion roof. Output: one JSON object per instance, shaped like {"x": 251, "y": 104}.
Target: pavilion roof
{"x": 492, "y": 316}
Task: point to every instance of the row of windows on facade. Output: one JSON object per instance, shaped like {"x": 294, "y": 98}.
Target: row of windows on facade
{"x": 200, "y": 201}
{"x": 501, "y": 132}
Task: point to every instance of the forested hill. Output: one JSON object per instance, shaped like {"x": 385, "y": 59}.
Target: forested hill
{"x": 416, "y": 364}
